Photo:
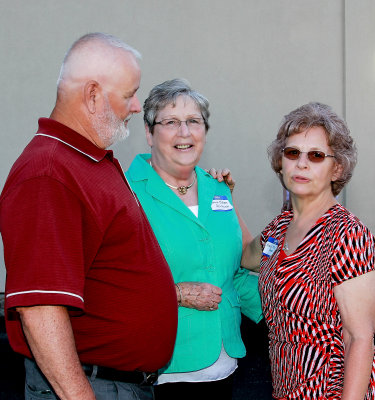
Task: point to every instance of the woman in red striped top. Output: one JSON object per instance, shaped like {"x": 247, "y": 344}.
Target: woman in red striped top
{"x": 317, "y": 264}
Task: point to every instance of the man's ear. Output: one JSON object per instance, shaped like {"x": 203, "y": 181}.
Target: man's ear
{"x": 92, "y": 94}
{"x": 149, "y": 136}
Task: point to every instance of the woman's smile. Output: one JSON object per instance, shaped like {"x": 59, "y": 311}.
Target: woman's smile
{"x": 183, "y": 146}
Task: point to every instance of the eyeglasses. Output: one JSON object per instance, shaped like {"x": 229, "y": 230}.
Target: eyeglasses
{"x": 316, "y": 156}
{"x": 173, "y": 123}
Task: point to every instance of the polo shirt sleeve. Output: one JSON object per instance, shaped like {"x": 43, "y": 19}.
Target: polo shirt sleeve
{"x": 43, "y": 245}
{"x": 354, "y": 253}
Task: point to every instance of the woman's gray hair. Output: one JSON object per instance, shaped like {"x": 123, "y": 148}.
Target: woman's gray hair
{"x": 338, "y": 138}
{"x": 167, "y": 93}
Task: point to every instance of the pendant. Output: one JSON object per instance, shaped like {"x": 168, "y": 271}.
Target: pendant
{"x": 182, "y": 189}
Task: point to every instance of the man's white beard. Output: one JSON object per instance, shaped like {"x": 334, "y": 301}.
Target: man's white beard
{"x": 109, "y": 127}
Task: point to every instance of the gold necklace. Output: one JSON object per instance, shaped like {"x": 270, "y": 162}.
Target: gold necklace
{"x": 181, "y": 189}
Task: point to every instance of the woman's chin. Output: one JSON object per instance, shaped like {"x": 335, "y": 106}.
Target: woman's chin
{"x": 187, "y": 161}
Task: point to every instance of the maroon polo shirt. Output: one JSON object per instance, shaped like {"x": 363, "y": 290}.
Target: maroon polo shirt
{"x": 75, "y": 234}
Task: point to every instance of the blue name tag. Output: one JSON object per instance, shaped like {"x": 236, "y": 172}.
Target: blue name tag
{"x": 270, "y": 247}
{"x": 221, "y": 203}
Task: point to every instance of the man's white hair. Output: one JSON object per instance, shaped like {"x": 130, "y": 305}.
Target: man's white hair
{"x": 88, "y": 52}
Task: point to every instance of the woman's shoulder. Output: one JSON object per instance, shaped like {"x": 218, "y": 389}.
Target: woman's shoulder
{"x": 203, "y": 175}
{"x": 342, "y": 216}
{"x": 345, "y": 223}
{"x": 139, "y": 168}
{"x": 283, "y": 217}
{"x": 277, "y": 224}
{"x": 354, "y": 245}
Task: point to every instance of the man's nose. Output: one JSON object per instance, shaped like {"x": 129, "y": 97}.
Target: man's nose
{"x": 136, "y": 105}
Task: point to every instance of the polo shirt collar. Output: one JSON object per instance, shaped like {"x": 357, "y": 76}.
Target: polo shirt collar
{"x": 55, "y": 130}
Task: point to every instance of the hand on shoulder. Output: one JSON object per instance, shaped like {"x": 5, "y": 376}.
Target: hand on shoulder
{"x": 223, "y": 175}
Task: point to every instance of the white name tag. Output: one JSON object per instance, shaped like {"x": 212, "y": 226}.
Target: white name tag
{"x": 221, "y": 203}
{"x": 270, "y": 247}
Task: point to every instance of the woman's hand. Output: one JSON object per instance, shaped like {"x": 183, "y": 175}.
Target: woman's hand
{"x": 199, "y": 295}
{"x": 223, "y": 175}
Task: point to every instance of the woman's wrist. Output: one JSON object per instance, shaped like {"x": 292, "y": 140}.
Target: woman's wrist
{"x": 179, "y": 294}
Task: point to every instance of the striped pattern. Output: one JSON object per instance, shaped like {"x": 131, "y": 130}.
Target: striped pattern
{"x": 305, "y": 329}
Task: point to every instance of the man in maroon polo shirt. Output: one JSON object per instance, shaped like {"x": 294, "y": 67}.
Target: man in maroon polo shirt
{"x": 90, "y": 300}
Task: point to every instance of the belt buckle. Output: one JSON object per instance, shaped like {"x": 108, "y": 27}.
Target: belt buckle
{"x": 149, "y": 378}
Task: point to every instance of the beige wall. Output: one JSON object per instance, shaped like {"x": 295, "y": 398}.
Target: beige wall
{"x": 360, "y": 104}
{"x": 255, "y": 60}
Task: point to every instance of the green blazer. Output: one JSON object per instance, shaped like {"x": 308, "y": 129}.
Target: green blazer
{"x": 204, "y": 249}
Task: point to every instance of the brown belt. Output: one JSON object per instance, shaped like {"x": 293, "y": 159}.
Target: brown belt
{"x": 138, "y": 377}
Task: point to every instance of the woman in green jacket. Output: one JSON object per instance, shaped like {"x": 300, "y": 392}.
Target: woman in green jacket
{"x": 196, "y": 225}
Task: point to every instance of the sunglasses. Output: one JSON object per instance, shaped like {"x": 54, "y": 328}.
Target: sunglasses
{"x": 316, "y": 156}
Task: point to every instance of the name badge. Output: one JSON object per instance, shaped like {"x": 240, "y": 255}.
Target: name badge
{"x": 270, "y": 247}
{"x": 221, "y": 203}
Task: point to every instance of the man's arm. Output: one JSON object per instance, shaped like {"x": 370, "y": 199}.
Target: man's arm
{"x": 49, "y": 334}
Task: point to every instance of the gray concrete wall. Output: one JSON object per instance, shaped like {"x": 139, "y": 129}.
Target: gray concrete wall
{"x": 255, "y": 60}
{"x": 360, "y": 104}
